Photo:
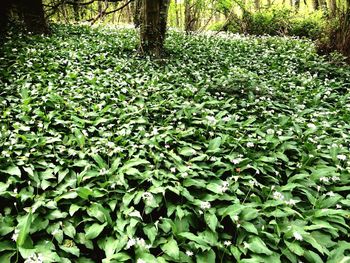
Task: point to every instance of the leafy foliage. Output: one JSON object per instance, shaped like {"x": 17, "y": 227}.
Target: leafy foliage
{"x": 235, "y": 149}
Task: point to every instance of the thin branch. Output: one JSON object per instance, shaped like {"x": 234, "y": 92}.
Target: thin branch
{"x": 119, "y": 8}
{"x": 104, "y": 12}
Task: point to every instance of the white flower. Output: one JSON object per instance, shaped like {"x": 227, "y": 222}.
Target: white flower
{"x": 236, "y": 161}
{"x": 227, "y": 243}
{"x": 226, "y": 119}
{"x": 291, "y": 202}
{"x": 335, "y": 178}
{"x": 270, "y": 131}
{"x": 140, "y": 261}
{"x": 235, "y": 218}
{"x": 155, "y": 131}
{"x": 279, "y": 133}
{"x": 324, "y": 179}
{"x": 224, "y": 187}
{"x": 189, "y": 253}
{"x": 147, "y": 196}
{"x": 250, "y": 144}
{"x": 205, "y": 205}
{"x": 331, "y": 194}
{"x": 184, "y": 174}
{"x": 297, "y": 236}
{"x": 34, "y": 258}
{"x": 15, "y": 235}
{"x": 211, "y": 119}
{"x": 311, "y": 126}
{"x": 173, "y": 169}
{"x": 278, "y": 196}
{"x": 338, "y": 206}
{"x": 131, "y": 242}
{"x": 341, "y": 157}
{"x": 103, "y": 171}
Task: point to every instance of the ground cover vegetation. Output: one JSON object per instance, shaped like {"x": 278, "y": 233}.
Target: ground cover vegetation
{"x": 231, "y": 149}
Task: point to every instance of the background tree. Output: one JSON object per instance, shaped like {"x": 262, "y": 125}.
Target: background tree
{"x": 33, "y": 16}
{"x": 4, "y": 16}
{"x": 154, "y": 15}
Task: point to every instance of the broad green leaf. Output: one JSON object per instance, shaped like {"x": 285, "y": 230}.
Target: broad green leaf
{"x": 187, "y": 151}
{"x": 206, "y": 257}
{"x": 256, "y": 245}
{"x": 211, "y": 221}
{"x": 12, "y": 170}
{"x": 214, "y": 145}
{"x": 171, "y": 249}
{"x": 24, "y": 229}
{"x": 94, "y": 230}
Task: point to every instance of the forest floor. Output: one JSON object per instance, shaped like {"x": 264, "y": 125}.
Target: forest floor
{"x": 230, "y": 149}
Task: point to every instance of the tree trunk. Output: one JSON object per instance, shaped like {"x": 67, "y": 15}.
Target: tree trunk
{"x": 76, "y": 10}
{"x": 153, "y": 27}
{"x": 269, "y": 3}
{"x": 257, "y": 5}
{"x": 315, "y": 4}
{"x": 33, "y": 15}
{"x": 136, "y": 7}
{"x": 297, "y": 5}
{"x": 332, "y": 8}
{"x": 177, "y": 14}
{"x": 4, "y": 19}
{"x": 191, "y": 16}
{"x": 323, "y": 5}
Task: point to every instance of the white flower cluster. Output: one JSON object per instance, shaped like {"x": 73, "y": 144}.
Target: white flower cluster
{"x": 278, "y": 196}
{"x": 250, "y": 145}
{"x": 224, "y": 186}
{"x": 270, "y": 131}
{"x": 297, "y": 236}
{"x": 35, "y": 258}
{"x": 15, "y": 235}
{"x": 341, "y": 157}
{"x": 137, "y": 242}
{"x": 205, "y": 205}
{"x": 291, "y": 202}
{"x": 147, "y": 196}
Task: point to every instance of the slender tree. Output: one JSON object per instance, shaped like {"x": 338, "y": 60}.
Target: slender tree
{"x": 153, "y": 28}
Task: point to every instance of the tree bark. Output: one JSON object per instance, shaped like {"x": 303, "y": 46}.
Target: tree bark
{"x": 323, "y": 5}
{"x": 177, "y": 14}
{"x": 153, "y": 27}
{"x": 33, "y": 16}
{"x": 76, "y": 10}
{"x": 332, "y": 8}
{"x": 191, "y": 16}
{"x": 136, "y": 7}
{"x": 257, "y": 5}
{"x": 315, "y": 4}
{"x": 4, "y": 17}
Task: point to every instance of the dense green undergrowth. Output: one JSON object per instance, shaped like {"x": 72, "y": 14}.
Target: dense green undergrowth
{"x": 230, "y": 150}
